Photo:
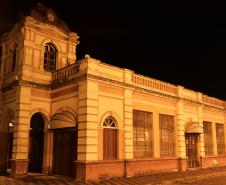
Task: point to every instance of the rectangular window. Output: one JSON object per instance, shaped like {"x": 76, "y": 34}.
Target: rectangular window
{"x": 142, "y": 134}
{"x": 166, "y": 132}
{"x": 207, "y": 138}
{"x": 220, "y": 139}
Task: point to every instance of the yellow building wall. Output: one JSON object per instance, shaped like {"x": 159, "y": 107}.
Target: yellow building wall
{"x": 110, "y": 103}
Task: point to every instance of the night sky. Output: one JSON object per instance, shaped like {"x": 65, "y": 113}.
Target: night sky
{"x": 180, "y": 42}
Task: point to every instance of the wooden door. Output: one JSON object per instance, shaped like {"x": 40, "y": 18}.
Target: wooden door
{"x": 110, "y": 144}
{"x": 65, "y": 152}
{"x": 191, "y": 141}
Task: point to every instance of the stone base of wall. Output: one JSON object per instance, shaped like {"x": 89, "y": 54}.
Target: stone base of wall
{"x": 100, "y": 169}
{"x": 147, "y": 166}
{"x": 19, "y": 168}
{"x": 213, "y": 161}
{"x": 118, "y": 168}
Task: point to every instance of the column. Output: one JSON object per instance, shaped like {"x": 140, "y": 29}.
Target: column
{"x": 200, "y": 121}
{"x": 48, "y": 151}
{"x": 19, "y": 163}
{"x": 87, "y": 121}
{"x": 128, "y": 115}
{"x": 180, "y": 132}
{"x": 181, "y": 148}
{"x": 201, "y": 135}
{"x": 87, "y": 126}
{"x": 128, "y": 123}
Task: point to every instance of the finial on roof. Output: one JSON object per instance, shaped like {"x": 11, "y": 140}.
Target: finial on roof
{"x": 87, "y": 56}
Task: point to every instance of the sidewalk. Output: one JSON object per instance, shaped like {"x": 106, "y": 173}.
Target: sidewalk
{"x": 171, "y": 178}
{"x": 213, "y": 176}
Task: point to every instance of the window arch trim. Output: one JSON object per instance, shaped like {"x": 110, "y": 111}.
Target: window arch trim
{"x": 50, "y": 57}
{"x": 115, "y": 116}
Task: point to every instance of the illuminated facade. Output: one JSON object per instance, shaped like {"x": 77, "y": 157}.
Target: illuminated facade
{"x": 89, "y": 119}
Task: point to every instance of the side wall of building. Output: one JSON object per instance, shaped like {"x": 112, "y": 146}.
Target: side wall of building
{"x": 118, "y": 92}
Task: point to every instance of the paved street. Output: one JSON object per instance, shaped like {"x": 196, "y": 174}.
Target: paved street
{"x": 211, "y": 176}
{"x": 209, "y": 179}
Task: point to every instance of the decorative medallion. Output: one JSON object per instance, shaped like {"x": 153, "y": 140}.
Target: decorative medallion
{"x": 50, "y": 17}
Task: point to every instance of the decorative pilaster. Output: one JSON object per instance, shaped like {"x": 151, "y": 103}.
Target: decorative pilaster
{"x": 128, "y": 123}
{"x": 48, "y": 151}
{"x": 87, "y": 149}
{"x": 200, "y": 121}
{"x": 87, "y": 121}
{"x": 21, "y": 132}
{"x": 87, "y": 115}
{"x": 128, "y": 115}
{"x": 181, "y": 148}
{"x": 180, "y": 130}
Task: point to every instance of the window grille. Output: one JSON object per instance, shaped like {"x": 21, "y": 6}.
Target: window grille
{"x": 109, "y": 122}
{"x": 142, "y": 133}
{"x": 166, "y": 131}
{"x": 220, "y": 139}
{"x": 208, "y": 138}
{"x": 50, "y": 58}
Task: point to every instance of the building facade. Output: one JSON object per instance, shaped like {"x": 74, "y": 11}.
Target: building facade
{"x": 89, "y": 119}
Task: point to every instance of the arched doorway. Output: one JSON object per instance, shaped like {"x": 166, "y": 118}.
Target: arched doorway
{"x": 192, "y": 131}
{"x": 110, "y": 139}
{"x": 64, "y": 126}
{"x": 36, "y": 143}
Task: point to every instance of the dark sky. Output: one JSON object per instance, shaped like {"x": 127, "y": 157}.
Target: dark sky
{"x": 180, "y": 42}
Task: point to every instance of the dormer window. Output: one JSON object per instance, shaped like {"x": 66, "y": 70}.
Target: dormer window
{"x": 50, "y": 57}
{"x": 14, "y": 58}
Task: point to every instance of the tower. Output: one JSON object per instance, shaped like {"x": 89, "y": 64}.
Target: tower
{"x": 39, "y": 44}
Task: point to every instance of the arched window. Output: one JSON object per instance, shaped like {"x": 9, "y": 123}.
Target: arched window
{"x": 50, "y": 57}
{"x": 110, "y": 139}
{"x": 14, "y": 57}
{"x": 109, "y": 122}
